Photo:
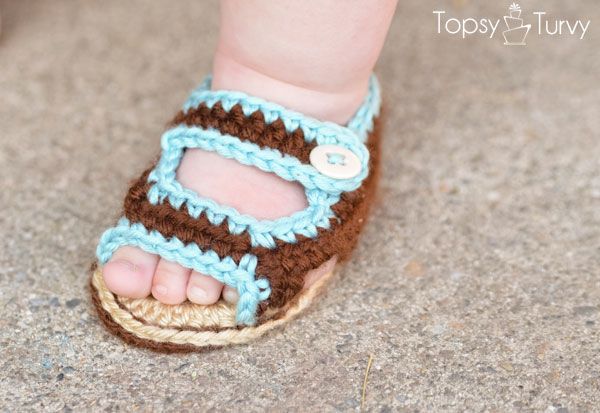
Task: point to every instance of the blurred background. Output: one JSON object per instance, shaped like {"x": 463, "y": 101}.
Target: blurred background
{"x": 476, "y": 285}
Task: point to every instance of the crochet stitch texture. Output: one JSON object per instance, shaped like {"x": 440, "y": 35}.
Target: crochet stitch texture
{"x": 253, "y": 247}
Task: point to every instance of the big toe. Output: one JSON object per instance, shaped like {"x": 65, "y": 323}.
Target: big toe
{"x": 170, "y": 282}
{"x": 129, "y": 272}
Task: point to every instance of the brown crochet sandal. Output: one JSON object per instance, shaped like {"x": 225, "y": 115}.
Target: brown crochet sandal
{"x": 266, "y": 261}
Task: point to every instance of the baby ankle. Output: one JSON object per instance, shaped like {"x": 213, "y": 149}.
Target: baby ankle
{"x": 336, "y": 105}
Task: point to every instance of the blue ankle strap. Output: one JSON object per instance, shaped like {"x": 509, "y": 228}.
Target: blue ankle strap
{"x": 361, "y": 123}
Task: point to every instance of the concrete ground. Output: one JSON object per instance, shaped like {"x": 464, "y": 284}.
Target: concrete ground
{"x": 476, "y": 285}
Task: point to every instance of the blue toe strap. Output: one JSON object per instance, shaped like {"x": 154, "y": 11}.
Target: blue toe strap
{"x": 240, "y": 276}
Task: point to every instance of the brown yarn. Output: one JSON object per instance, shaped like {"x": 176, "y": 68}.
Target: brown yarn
{"x": 130, "y": 338}
{"x": 251, "y": 128}
{"x": 287, "y": 264}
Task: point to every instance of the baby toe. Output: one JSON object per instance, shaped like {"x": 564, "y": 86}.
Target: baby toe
{"x": 129, "y": 272}
{"x": 203, "y": 289}
{"x": 170, "y": 281}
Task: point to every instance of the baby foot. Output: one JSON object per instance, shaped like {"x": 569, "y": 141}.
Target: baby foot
{"x": 136, "y": 274}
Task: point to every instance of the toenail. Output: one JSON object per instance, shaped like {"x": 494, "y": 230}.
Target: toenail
{"x": 230, "y": 294}
{"x": 161, "y": 290}
{"x": 130, "y": 266}
{"x": 197, "y": 294}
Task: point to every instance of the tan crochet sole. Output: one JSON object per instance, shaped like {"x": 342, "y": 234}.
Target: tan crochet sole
{"x": 186, "y": 327}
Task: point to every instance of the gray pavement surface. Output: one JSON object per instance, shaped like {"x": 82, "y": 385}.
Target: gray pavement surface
{"x": 475, "y": 287}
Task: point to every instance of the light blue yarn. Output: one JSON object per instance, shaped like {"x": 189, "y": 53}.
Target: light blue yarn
{"x": 240, "y": 276}
{"x": 363, "y": 120}
{"x": 262, "y": 232}
{"x": 361, "y": 123}
{"x": 175, "y": 140}
{"x": 335, "y": 159}
{"x": 321, "y": 191}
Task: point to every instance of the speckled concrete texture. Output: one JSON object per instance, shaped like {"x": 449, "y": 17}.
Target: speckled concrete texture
{"x": 476, "y": 285}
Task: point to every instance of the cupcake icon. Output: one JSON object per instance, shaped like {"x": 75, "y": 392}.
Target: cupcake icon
{"x": 517, "y": 31}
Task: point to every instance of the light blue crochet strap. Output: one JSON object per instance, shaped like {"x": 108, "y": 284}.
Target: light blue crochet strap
{"x": 262, "y": 232}
{"x": 240, "y": 276}
{"x": 175, "y": 140}
{"x": 363, "y": 120}
{"x": 361, "y": 123}
{"x": 321, "y": 191}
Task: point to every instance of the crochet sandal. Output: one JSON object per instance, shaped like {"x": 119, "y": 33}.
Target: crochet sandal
{"x": 266, "y": 261}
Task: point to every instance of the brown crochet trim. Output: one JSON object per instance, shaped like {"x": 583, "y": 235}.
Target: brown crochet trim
{"x": 114, "y": 327}
{"x": 287, "y": 264}
{"x": 131, "y": 338}
{"x": 110, "y": 317}
{"x": 251, "y": 128}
